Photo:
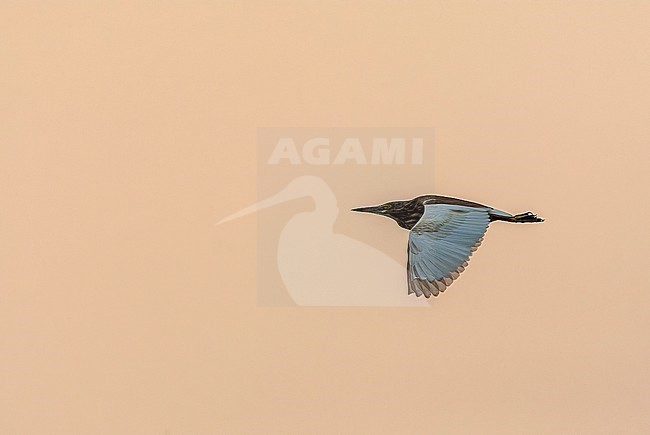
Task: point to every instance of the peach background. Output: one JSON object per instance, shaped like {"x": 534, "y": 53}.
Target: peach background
{"x": 127, "y": 129}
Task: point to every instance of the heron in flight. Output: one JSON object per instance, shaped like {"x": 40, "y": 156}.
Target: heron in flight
{"x": 444, "y": 233}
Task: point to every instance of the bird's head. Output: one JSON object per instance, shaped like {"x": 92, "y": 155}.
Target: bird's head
{"x": 405, "y": 213}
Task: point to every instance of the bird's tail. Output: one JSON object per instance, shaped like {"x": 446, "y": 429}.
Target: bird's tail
{"x": 523, "y": 218}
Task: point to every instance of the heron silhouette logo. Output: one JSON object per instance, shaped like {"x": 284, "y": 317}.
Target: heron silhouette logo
{"x": 309, "y": 254}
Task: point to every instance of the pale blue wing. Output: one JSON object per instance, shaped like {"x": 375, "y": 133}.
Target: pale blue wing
{"x": 440, "y": 245}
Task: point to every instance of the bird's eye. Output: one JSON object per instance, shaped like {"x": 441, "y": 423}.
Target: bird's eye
{"x": 387, "y": 206}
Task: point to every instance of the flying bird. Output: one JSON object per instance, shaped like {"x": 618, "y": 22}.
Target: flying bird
{"x": 443, "y": 233}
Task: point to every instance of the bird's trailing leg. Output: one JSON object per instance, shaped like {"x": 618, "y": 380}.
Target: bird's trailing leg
{"x": 527, "y": 217}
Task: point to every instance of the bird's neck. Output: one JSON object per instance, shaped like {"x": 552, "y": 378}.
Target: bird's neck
{"x": 325, "y": 206}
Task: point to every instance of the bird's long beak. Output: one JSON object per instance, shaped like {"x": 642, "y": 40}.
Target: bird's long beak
{"x": 278, "y": 198}
{"x": 373, "y": 209}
